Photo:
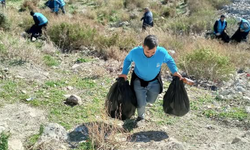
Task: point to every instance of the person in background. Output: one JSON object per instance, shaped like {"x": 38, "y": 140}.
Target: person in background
{"x": 146, "y": 78}
{"x": 243, "y": 30}
{"x": 3, "y": 2}
{"x": 59, "y": 4}
{"x": 220, "y": 26}
{"x": 50, "y": 4}
{"x": 147, "y": 19}
{"x": 40, "y": 22}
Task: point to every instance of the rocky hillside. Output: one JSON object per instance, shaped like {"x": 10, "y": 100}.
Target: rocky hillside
{"x": 50, "y": 100}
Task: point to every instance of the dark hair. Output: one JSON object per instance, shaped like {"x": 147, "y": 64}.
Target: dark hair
{"x": 223, "y": 16}
{"x": 151, "y": 41}
{"x": 32, "y": 13}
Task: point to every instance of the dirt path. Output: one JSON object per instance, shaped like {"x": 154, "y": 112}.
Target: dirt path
{"x": 21, "y": 121}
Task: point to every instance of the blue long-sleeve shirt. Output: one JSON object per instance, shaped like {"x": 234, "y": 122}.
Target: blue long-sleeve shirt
{"x": 148, "y": 68}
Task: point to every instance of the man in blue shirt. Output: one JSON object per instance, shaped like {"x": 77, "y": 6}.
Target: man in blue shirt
{"x": 40, "y": 22}
{"x": 220, "y": 28}
{"x": 243, "y": 30}
{"x": 147, "y": 19}
{"x": 146, "y": 79}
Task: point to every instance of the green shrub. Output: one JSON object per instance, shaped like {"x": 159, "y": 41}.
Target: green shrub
{"x": 4, "y": 24}
{"x": 138, "y": 3}
{"x": 26, "y": 23}
{"x": 219, "y": 3}
{"x": 50, "y": 61}
{"x": 4, "y": 141}
{"x": 71, "y": 36}
{"x": 206, "y": 63}
{"x": 107, "y": 41}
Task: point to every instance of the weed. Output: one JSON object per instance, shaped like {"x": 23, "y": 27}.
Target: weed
{"x": 4, "y": 23}
{"x": 50, "y": 61}
{"x": 88, "y": 145}
{"x": 4, "y": 141}
{"x": 71, "y": 36}
{"x": 83, "y": 60}
{"x": 34, "y": 138}
{"x": 235, "y": 113}
{"x": 207, "y": 63}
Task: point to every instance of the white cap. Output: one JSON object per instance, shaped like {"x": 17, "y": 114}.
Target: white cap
{"x": 238, "y": 19}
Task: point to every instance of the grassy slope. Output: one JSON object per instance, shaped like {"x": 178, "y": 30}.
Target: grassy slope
{"x": 92, "y": 81}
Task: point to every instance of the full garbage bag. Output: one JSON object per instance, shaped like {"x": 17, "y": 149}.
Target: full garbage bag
{"x": 121, "y": 100}
{"x": 175, "y": 100}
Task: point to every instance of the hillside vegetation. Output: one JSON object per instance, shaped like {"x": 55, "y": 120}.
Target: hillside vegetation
{"x": 82, "y": 53}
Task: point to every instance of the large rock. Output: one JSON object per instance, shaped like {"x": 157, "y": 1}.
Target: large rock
{"x": 54, "y": 137}
{"x": 15, "y": 144}
{"x": 54, "y": 131}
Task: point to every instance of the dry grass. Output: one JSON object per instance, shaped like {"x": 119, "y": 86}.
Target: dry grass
{"x": 17, "y": 48}
{"x": 102, "y": 135}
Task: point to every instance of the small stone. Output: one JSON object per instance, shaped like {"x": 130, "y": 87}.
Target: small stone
{"x": 74, "y": 100}
{"x": 75, "y": 66}
{"x": 70, "y": 88}
{"x": 229, "y": 97}
{"x": 247, "y": 109}
{"x": 220, "y": 97}
{"x": 2, "y": 129}
{"x": 6, "y": 69}
{"x": 246, "y": 98}
{"x": 225, "y": 92}
{"x": 19, "y": 77}
{"x": 209, "y": 127}
{"x": 236, "y": 140}
{"x": 23, "y": 91}
{"x": 240, "y": 89}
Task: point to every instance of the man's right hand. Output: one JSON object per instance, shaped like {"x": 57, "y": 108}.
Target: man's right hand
{"x": 124, "y": 76}
{"x": 218, "y": 34}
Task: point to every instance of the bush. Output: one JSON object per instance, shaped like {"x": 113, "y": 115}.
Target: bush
{"x": 138, "y": 3}
{"x": 4, "y": 141}
{"x": 50, "y": 61}
{"x": 4, "y": 24}
{"x": 29, "y": 5}
{"x": 71, "y": 36}
{"x": 219, "y": 3}
{"x": 26, "y": 23}
{"x": 206, "y": 63}
{"x": 14, "y": 48}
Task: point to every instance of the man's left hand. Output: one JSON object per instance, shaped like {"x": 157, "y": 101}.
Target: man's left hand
{"x": 178, "y": 75}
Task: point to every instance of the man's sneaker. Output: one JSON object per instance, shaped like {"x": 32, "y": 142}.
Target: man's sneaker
{"x": 140, "y": 122}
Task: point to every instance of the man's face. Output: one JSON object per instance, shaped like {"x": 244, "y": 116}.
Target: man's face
{"x": 222, "y": 18}
{"x": 149, "y": 52}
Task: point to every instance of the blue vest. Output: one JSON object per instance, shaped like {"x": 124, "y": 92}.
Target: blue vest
{"x": 243, "y": 21}
{"x": 58, "y": 4}
{"x": 62, "y": 3}
{"x": 220, "y": 26}
{"x": 42, "y": 19}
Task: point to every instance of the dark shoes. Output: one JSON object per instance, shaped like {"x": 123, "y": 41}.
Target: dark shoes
{"x": 139, "y": 122}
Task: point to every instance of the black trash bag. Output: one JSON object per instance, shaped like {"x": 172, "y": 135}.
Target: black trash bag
{"x": 121, "y": 100}
{"x": 175, "y": 100}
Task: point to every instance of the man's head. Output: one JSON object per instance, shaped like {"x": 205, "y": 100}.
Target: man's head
{"x": 32, "y": 13}
{"x": 146, "y": 9}
{"x": 222, "y": 17}
{"x": 149, "y": 45}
